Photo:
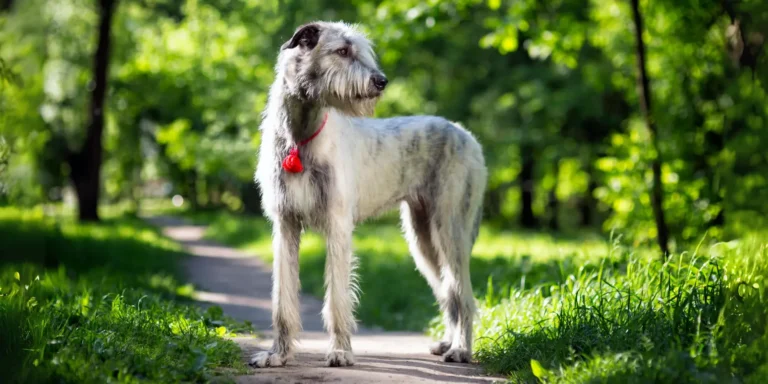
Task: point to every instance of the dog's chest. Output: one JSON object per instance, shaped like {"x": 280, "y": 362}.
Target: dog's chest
{"x": 300, "y": 192}
{"x": 306, "y": 193}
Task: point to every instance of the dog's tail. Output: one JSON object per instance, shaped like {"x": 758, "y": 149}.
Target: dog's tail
{"x": 476, "y": 226}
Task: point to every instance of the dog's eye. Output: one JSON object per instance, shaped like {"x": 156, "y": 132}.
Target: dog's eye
{"x": 343, "y": 52}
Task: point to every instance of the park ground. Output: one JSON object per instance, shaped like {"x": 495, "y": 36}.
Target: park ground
{"x": 109, "y": 302}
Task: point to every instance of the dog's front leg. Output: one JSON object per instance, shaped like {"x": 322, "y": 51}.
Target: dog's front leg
{"x": 340, "y": 293}
{"x": 286, "y": 318}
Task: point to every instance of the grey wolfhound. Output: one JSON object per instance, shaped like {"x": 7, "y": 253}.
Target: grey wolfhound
{"x": 324, "y": 165}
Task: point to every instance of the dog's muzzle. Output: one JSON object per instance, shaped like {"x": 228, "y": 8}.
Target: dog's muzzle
{"x": 379, "y": 81}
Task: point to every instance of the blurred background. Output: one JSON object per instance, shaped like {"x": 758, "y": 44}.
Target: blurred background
{"x": 549, "y": 88}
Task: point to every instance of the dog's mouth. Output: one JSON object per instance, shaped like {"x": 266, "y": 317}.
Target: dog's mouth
{"x": 368, "y": 96}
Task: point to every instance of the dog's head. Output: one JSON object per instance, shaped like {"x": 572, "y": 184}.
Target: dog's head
{"x": 332, "y": 64}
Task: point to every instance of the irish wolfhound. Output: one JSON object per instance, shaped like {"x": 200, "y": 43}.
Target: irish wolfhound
{"x": 324, "y": 165}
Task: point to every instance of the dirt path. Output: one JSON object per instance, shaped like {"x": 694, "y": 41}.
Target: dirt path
{"x": 241, "y": 285}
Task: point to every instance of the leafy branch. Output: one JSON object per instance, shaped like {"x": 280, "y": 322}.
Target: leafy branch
{"x": 8, "y": 75}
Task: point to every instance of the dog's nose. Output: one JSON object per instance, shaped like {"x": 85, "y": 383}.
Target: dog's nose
{"x": 379, "y": 81}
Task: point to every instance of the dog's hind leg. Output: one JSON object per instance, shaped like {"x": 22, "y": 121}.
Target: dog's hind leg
{"x": 456, "y": 288}
{"x": 415, "y": 221}
{"x": 453, "y": 228}
{"x": 286, "y": 318}
{"x": 340, "y": 292}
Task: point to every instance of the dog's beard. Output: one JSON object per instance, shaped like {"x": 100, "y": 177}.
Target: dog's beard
{"x": 356, "y": 107}
{"x": 350, "y": 92}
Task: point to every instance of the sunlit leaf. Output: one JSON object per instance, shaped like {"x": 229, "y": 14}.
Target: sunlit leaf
{"x": 538, "y": 370}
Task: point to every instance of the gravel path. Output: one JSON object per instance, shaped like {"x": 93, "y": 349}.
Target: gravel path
{"x": 240, "y": 284}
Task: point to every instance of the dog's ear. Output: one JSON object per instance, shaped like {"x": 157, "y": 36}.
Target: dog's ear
{"x": 306, "y": 36}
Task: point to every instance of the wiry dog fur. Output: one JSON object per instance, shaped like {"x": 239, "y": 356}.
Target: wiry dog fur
{"x": 358, "y": 167}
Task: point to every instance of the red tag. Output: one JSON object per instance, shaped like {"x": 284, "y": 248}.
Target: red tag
{"x": 292, "y": 162}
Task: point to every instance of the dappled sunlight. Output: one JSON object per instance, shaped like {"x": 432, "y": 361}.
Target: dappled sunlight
{"x": 230, "y": 299}
{"x": 250, "y": 233}
{"x": 380, "y": 239}
{"x": 72, "y": 294}
{"x": 539, "y": 246}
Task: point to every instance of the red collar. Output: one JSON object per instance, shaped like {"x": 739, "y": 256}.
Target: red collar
{"x": 292, "y": 162}
{"x": 307, "y": 140}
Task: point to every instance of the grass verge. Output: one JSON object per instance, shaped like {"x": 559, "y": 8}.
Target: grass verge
{"x": 102, "y": 303}
{"x": 697, "y": 318}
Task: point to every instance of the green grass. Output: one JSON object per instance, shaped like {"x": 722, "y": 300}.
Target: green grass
{"x": 582, "y": 309}
{"x": 102, "y": 303}
{"x": 699, "y": 317}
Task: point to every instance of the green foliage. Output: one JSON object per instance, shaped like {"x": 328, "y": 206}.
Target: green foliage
{"x": 547, "y": 85}
{"x": 695, "y": 318}
{"x": 101, "y": 303}
{"x": 538, "y": 371}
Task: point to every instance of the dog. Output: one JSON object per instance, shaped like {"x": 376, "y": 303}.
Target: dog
{"x": 325, "y": 164}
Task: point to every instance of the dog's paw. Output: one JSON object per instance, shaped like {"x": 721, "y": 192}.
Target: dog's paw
{"x": 457, "y": 355}
{"x": 339, "y": 358}
{"x": 267, "y": 359}
{"x": 439, "y": 348}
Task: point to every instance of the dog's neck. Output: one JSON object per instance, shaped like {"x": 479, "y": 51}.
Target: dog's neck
{"x": 301, "y": 117}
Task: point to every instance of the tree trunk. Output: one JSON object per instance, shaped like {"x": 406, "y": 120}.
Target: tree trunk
{"x": 85, "y": 164}
{"x": 214, "y": 189}
{"x": 5, "y": 5}
{"x": 552, "y": 203}
{"x": 251, "y": 196}
{"x": 527, "y": 217}
{"x": 644, "y": 91}
{"x": 587, "y": 204}
{"x": 715, "y": 145}
{"x": 192, "y": 188}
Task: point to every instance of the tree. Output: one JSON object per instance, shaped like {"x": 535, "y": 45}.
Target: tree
{"x": 85, "y": 163}
{"x": 548, "y": 89}
{"x": 6, "y": 5}
{"x": 644, "y": 91}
